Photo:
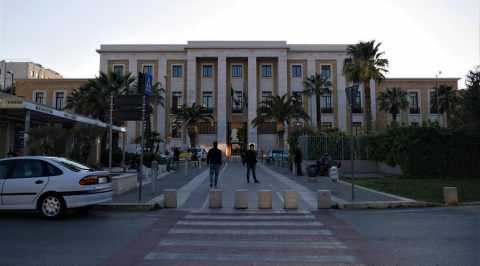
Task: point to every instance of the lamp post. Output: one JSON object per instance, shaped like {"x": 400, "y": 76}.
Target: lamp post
{"x": 12, "y": 79}
{"x": 351, "y": 93}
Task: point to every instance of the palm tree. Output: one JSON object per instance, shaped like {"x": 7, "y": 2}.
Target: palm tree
{"x": 317, "y": 85}
{"x": 281, "y": 110}
{"x": 445, "y": 100}
{"x": 93, "y": 99}
{"x": 189, "y": 117}
{"x": 393, "y": 101}
{"x": 365, "y": 63}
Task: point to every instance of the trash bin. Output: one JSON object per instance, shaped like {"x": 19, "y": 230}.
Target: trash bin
{"x": 312, "y": 170}
{"x": 333, "y": 173}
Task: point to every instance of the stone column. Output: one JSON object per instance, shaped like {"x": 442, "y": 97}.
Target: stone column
{"x": 191, "y": 79}
{"x": 103, "y": 64}
{"x": 341, "y": 97}
{"x": 222, "y": 103}
{"x": 161, "y": 114}
{"x": 252, "y": 99}
{"x": 311, "y": 70}
{"x": 131, "y": 125}
{"x": 373, "y": 105}
{"x": 283, "y": 87}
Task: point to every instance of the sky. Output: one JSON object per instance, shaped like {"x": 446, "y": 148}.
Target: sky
{"x": 419, "y": 37}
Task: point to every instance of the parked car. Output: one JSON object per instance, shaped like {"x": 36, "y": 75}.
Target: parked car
{"x": 51, "y": 185}
{"x": 276, "y": 155}
{"x": 200, "y": 152}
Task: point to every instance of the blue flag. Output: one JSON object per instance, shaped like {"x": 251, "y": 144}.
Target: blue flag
{"x": 148, "y": 84}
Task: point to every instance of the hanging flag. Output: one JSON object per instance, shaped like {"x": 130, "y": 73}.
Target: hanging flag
{"x": 148, "y": 84}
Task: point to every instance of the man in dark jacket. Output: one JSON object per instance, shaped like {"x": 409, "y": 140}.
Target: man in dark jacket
{"x": 251, "y": 161}
{"x": 214, "y": 160}
{"x": 298, "y": 161}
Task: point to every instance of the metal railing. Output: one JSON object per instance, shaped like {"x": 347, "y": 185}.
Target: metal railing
{"x": 338, "y": 147}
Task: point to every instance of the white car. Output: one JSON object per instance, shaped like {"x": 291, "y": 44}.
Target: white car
{"x": 50, "y": 185}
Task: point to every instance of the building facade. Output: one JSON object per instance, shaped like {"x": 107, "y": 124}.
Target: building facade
{"x": 51, "y": 92}
{"x": 231, "y": 78}
{"x": 10, "y": 71}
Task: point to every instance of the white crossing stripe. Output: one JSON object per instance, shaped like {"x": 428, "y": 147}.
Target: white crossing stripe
{"x": 322, "y": 232}
{"x": 252, "y": 223}
{"x": 325, "y": 244}
{"x": 234, "y": 257}
{"x": 250, "y": 217}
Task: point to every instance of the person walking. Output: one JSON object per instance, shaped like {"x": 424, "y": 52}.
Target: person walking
{"x": 298, "y": 161}
{"x": 251, "y": 161}
{"x": 214, "y": 160}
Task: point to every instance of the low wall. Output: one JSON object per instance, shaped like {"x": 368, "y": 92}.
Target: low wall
{"x": 124, "y": 183}
{"x": 362, "y": 167}
{"x": 127, "y": 182}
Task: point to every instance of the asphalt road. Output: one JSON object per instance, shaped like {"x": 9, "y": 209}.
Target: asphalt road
{"x": 436, "y": 236}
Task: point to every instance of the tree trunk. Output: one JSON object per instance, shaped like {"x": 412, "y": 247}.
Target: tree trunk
{"x": 394, "y": 117}
{"x": 319, "y": 112}
{"x": 280, "y": 128}
{"x": 368, "y": 102}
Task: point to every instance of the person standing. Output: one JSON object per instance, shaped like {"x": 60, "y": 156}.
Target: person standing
{"x": 298, "y": 161}
{"x": 214, "y": 160}
{"x": 251, "y": 161}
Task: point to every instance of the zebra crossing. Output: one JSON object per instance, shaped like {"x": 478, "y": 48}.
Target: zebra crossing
{"x": 250, "y": 238}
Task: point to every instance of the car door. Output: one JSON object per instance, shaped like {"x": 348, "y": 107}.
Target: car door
{"x": 5, "y": 167}
{"x": 24, "y": 183}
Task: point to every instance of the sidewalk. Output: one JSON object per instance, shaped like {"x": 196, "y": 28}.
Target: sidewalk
{"x": 342, "y": 191}
{"x": 169, "y": 180}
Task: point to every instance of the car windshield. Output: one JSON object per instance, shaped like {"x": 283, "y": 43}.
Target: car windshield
{"x": 74, "y": 166}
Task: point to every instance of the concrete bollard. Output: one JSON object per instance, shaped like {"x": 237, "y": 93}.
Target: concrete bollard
{"x": 290, "y": 200}
{"x": 170, "y": 198}
{"x": 324, "y": 199}
{"x": 264, "y": 199}
{"x": 241, "y": 199}
{"x": 450, "y": 195}
{"x": 215, "y": 198}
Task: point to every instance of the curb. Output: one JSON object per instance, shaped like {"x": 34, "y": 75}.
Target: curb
{"x": 127, "y": 206}
{"x": 386, "y": 205}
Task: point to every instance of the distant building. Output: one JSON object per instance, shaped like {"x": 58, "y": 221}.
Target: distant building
{"x": 51, "y": 92}
{"x": 24, "y": 70}
{"x": 231, "y": 78}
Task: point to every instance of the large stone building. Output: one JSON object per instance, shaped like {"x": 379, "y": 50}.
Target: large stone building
{"x": 232, "y": 77}
{"x": 10, "y": 71}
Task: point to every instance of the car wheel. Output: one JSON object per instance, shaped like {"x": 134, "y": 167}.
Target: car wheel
{"x": 52, "y": 206}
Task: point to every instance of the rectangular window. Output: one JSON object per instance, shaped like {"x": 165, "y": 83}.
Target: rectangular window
{"x": 177, "y": 71}
{"x": 266, "y": 71}
{"x": 357, "y": 104}
{"x": 296, "y": 71}
{"x": 266, "y": 96}
{"x": 118, "y": 69}
{"x": 237, "y": 71}
{"x": 237, "y": 102}
{"x": 59, "y": 99}
{"x": 326, "y": 103}
{"x": 148, "y": 69}
{"x": 433, "y": 103}
{"x": 207, "y": 71}
{"x": 298, "y": 96}
{"x": 413, "y": 102}
{"x": 177, "y": 101}
{"x": 326, "y": 71}
{"x": 39, "y": 97}
{"x": 357, "y": 128}
{"x": 207, "y": 100}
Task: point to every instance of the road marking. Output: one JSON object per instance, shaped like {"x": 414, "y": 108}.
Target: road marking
{"x": 252, "y": 223}
{"x": 250, "y": 217}
{"x": 235, "y": 257}
{"x": 325, "y": 244}
{"x": 322, "y": 232}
